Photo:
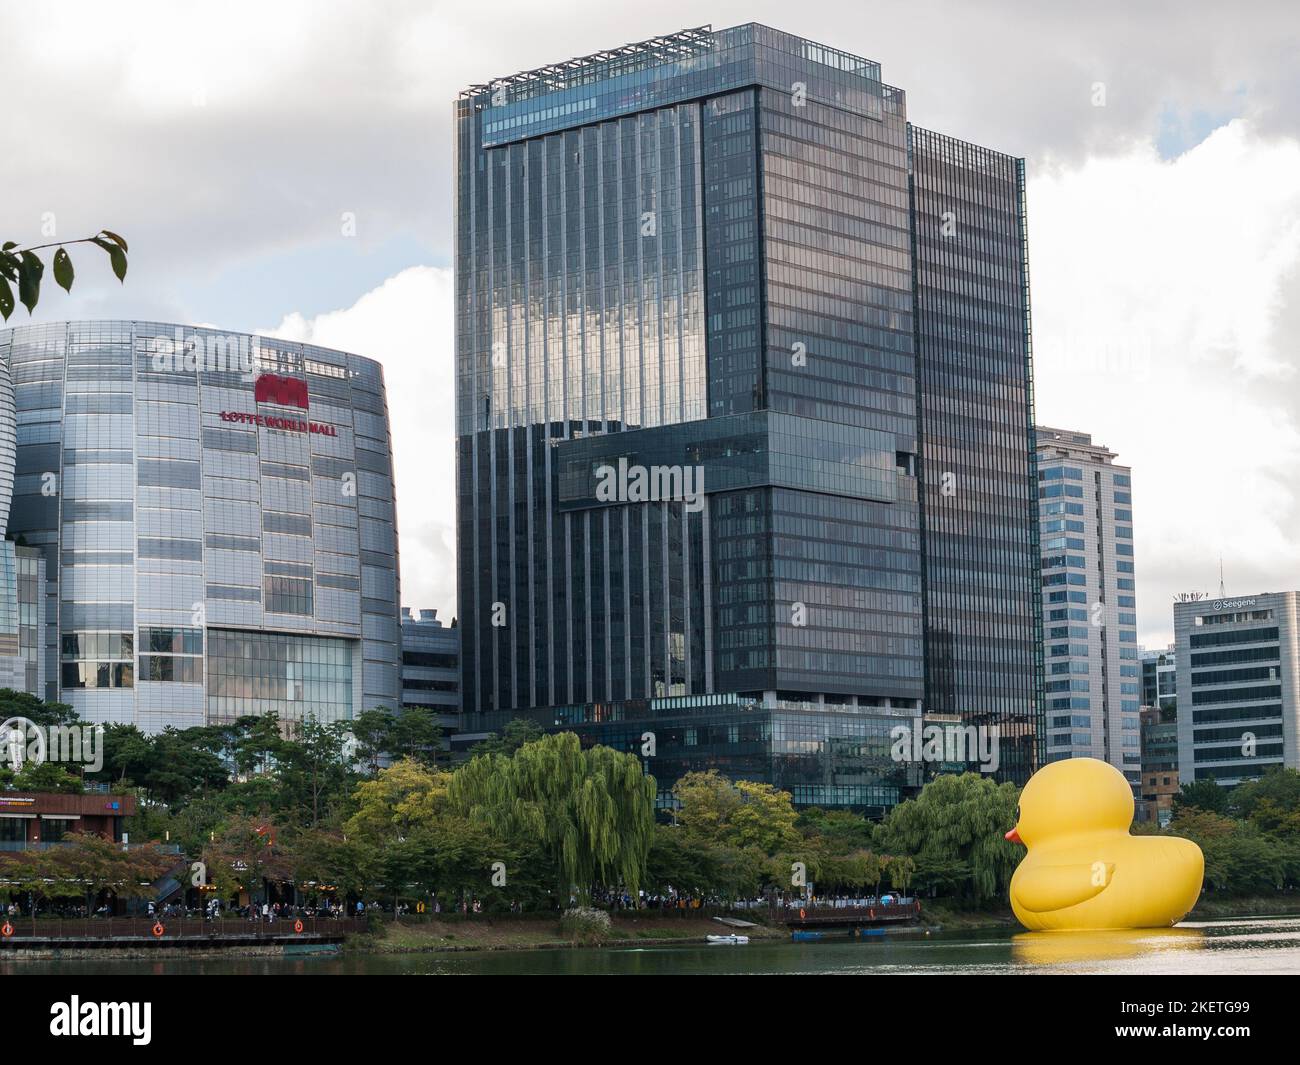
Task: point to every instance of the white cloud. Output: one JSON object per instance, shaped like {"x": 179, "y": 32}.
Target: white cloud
{"x": 1157, "y": 290}
{"x": 225, "y": 142}
{"x": 406, "y": 324}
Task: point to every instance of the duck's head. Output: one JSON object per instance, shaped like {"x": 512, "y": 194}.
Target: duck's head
{"x": 1074, "y": 795}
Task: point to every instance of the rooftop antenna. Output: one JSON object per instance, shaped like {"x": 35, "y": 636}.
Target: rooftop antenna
{"x": 1221, "y": 592}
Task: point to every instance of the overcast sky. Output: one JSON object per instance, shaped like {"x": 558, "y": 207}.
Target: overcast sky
{"x": 227, "y": 142}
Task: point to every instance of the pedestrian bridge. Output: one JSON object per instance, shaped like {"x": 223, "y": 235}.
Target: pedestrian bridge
{"x": 814, "y": 916}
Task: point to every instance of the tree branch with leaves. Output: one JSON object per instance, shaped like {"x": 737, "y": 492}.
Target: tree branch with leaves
{"x": 21, "y": 266}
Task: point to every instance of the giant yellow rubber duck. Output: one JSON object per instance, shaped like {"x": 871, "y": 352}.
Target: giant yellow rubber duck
{"x": 1083, "y": 869}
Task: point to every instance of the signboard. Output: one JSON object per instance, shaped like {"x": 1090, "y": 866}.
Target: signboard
{"x": 283, "y": 392}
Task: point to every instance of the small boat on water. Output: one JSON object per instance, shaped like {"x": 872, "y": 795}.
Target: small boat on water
{"x": 728, "y": 939}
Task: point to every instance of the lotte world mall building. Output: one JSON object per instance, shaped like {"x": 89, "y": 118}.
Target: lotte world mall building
{"x": 197, "y": 525}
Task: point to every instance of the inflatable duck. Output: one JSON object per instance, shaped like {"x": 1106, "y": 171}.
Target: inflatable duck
{"x": 1083, "y": 870}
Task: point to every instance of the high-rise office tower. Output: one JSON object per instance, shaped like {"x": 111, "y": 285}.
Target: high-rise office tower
{"x": 744, "y": 415}
{"x": 1094, "y": 676}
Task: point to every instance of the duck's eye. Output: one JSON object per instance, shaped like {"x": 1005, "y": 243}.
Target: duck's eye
{"x": 1017, "y": 815}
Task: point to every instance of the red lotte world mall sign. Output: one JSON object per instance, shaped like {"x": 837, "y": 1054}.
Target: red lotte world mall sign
{"x": 283, "y": 392}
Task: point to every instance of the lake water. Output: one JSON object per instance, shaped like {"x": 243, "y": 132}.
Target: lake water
{"x": 1243, "y": 946}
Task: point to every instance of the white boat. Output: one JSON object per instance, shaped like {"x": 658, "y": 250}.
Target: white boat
{"x": 728, "y": 939}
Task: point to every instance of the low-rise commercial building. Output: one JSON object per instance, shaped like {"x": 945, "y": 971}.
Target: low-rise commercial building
{"x": 1160, "y": 677}
{"x": 431, "y": 667}
{"x": 1159, "y": 764}
{"x": 1238, "y": 680}
{"x": 30, "y": 820}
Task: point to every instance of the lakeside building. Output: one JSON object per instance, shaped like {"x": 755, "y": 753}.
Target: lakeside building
{"x": 745, "y": 472}
{"x": 33, "y": 820}
{"x": 1160, "y": 677}
{"x": 1159, "y": 717}
{"x": 1238, "y": 685}
{"x": 1094, "y": 683}
{"x": 1160, "y": 781}
{"x": 431, "y": 668}
{"x": 215, "y": 516}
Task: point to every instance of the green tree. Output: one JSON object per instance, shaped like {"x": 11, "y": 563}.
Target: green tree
{"x": 841, "y": 830}
{"x": 1205, "y": 794}
{"x": 252, "y": 743}
{"x": 21, "y": 266}
{"x": 900, "y": 871}
{"x": 244, "y": 855}
{"x": 327, "y": 862}
{"x": 592, "y": 810}
{"x": 941, "y": 876}
{"x": 401, "y": 799}
{"x": 958, "y": 819}
{"x": 849, "y": 872}
{"x": 373, "y": 730}
{"x": 186, "y": 762}
{"x": 37, "y": 711}
{"x": 47, "y": 776}
{"x": 85, "y": 866}
{"x": 128, "y": 754}
{"x": 417, "y": 734}
{"x": 412, "y": 732}
{"x": 737, "y": 813}
{"x": 701, "y": 868}
{"x": 1243, "y": 863}
{"x": 513, "y": 735}
{"x": 312, "y": 768}
{"x": 1270, "y": 799}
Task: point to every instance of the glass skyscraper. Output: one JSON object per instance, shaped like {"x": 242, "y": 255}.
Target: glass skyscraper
{"x": 744, "y": 461}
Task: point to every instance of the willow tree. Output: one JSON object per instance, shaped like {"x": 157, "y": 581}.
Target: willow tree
{"x": 958, "y": 819}
{"x": 592, "y": 810}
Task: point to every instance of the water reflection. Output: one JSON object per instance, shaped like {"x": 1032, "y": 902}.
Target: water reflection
{"x": 1248, "y": 945}
{"x": 1065, "y": 948}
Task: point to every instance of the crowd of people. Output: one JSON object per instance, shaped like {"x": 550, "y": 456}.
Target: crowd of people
{"x": 270, "y": 912}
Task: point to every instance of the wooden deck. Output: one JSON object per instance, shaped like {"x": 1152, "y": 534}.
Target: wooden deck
{"x": 171, "y": 932}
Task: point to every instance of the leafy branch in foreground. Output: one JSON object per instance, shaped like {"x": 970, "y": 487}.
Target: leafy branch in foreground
{"x": 24, "y": 268}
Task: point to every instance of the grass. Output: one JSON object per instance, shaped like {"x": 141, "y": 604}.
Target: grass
{"x": 954, "y": 913}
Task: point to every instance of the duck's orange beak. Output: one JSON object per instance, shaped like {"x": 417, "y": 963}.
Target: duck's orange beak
{"x": 1014, "y": 836}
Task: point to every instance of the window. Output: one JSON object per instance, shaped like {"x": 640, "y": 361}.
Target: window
{"x": 98, "y": 675}
{"x": 54, "y": 829}
{"x": 177, "y": 668}
{"x": 288, "y": 595}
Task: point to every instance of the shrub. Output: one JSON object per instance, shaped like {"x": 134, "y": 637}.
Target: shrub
{"x": 583, "y": 925}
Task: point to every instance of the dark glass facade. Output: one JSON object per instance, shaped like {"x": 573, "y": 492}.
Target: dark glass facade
{"x": 694, "y": 260}
{"x": 983, "y": 606}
